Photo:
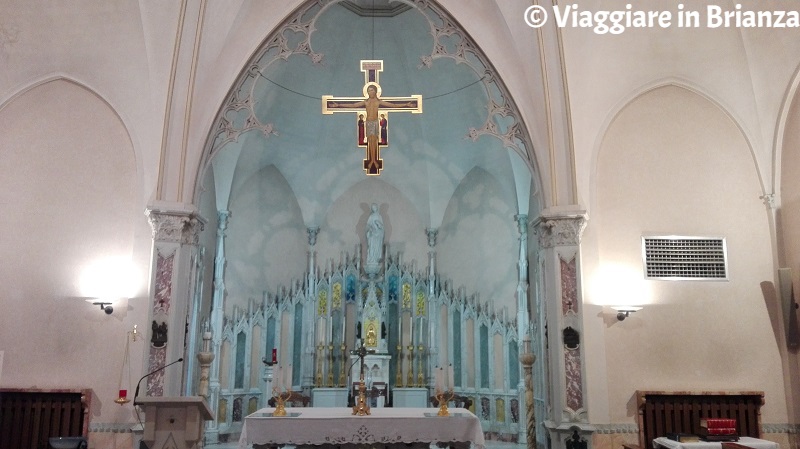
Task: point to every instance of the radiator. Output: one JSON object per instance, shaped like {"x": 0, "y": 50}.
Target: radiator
{"x": 28, "y": 418}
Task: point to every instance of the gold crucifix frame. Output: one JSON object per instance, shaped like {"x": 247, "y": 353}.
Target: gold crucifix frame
{"x": 372, "y": 114}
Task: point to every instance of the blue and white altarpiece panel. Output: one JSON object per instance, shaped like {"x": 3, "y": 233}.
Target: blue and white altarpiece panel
{"x": 415, "y": 321}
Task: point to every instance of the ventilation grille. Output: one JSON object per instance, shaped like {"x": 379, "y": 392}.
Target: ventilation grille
{"x": 672, "y": 257}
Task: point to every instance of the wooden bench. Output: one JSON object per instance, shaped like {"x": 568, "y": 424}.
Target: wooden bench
{"x": 663, "y": 412}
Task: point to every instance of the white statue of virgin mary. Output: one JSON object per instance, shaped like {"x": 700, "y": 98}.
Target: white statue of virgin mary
{"x": 374, "y": 237}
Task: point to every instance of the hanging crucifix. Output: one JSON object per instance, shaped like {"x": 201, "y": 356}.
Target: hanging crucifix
{"x": 372, "y": 112}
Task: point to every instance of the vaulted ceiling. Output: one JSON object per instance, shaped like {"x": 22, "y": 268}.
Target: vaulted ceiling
{"x": 273, "y": 114}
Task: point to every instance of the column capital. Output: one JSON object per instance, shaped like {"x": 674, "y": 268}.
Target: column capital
{"x": 769, "y": 200}
{"x": 222, "y": 218}
{"x": 560, "y": 229}
{"x": 522, "y": 223}
{"x": 431, "y": 232}
{"x": 175, "y": 225}
{"x": 312, "y": 235}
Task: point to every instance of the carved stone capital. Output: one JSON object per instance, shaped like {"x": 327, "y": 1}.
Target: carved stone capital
{"x": 222, "y": 219}
{"x": 175, "y": 226}
{"x": 522, "y": 224}
{"x": 431, "y": 232}
{"x": 556, "y": 231}
{"x": 769, "y": 200}
{"x": 312, "y": 235}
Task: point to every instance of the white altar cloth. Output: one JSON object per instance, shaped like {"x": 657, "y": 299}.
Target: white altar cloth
{"x": 746, "y": 441}
{"x": 338, "y": 427}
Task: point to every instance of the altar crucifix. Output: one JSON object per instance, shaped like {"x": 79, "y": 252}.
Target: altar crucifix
{"x": 372, "y": 114}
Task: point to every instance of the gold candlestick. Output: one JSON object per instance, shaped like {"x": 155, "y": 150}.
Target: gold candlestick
{"x": 362, "y": 407}
{"x": 443, "y": 398}
{"x": 343, "y": 373}
{"x": 280, "y": 401}
{"x": 399, "y": 379}
{"x": 420, "y": 374}
{"x": 331, "y": 357}
{"x": 318, "y": 379}
{"x": 410, "y": 381}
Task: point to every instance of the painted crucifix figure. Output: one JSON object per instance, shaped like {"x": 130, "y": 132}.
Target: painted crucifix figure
{"x": 372, "y": 114}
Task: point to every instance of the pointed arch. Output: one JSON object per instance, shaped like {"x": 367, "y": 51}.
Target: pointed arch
{"x": 34, "y": 83}
{"x": 644, "y": 90}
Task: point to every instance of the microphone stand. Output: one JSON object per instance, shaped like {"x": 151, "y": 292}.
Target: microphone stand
{"x": 138, "y": 384}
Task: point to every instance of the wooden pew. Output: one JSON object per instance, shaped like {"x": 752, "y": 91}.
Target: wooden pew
{"x": 662, "y": 412}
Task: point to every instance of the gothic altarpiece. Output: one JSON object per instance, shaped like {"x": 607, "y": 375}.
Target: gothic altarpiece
{"x": 409, "y": 320}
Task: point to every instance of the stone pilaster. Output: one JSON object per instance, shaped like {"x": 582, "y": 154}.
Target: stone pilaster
{"x": 175, "y": 243}
{"x": 559, "y": 238}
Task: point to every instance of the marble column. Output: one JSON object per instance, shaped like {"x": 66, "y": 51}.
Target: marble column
{"x": 175, "y": 244}
{"x": 523, "y": 317}
{"x": 205, "y": 357}
{"x": 559, "y": 239}
{"x": 433, "y": 306}
{"x": 529, "y": 428}
{"x": 307, "y": 376}
{"x": 217, "y": 314}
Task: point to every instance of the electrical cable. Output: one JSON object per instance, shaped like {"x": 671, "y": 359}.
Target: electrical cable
{"x": 432, "y": 97}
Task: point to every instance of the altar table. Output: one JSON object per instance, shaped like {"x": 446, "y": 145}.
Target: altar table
{"x": 746, "y": 441}
{"x": 329, "y": 426}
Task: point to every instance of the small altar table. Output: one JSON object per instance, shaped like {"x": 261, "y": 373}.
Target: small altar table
{"x": 329, "y": 426}
{"x": 745, "y": 441}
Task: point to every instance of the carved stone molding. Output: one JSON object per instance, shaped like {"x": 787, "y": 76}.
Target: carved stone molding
{"x": 175, "y": 227}
{"x": 110, "y": 427}
{"x": 559, "y": 231}
{"x": 607, "y": 429}
{"x": 432, "y": 233}
{"x": 312, "y": 235}
{"x": 222, "y": 222}
{"x": 522, "y": 224}
{"x": 781, "y": 428}
{"x": 769, "y": 200}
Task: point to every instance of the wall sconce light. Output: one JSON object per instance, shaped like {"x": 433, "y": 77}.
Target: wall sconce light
{"x": 624, "y": 311}
{"x": 108, "y": 280}
{"x": 104, "y": 306}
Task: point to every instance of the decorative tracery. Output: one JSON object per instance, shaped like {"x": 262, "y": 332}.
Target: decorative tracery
{"x": 448, "y": 42}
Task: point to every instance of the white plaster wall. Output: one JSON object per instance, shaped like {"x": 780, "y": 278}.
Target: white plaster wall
{"x": 673, "y": 163}
{"x": 70, "y": 201}
{"x": 788, "y": 223}
{"x": 745, "y": 69}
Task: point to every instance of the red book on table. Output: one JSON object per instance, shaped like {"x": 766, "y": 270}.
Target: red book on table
{"x": 717, "y": 423}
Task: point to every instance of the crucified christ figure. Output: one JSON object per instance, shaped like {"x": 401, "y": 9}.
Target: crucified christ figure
{"x": 372, "y": 127}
